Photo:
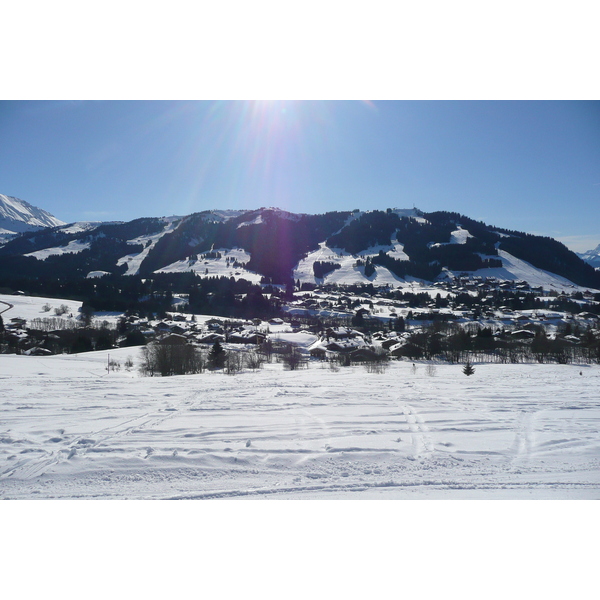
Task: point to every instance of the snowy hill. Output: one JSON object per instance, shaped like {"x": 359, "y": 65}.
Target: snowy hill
{"x": 18, "y": 216}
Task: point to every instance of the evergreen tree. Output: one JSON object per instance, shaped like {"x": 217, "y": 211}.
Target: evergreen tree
{"x": 468, "y": 369}
{"x": 217, "y": 356}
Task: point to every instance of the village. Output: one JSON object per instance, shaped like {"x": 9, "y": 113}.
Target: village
{"x": 473, "y": 317}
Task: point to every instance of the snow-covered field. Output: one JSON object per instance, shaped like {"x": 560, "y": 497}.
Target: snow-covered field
{"x": 31, "y": 307}
{"x": 70, "y": 429}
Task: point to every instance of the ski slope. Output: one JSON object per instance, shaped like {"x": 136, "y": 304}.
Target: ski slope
{"x": 515, "y": 269}
{"x": 73, "y": 247}
{"x": 70, "y": 429}
{"x": 216, "y": 267}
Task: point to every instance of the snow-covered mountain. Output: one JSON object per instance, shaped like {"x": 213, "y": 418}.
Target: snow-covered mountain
{"x": 394, "y": 247}
{"x": 18, "y": 216}
{"x": 591, "y": 257}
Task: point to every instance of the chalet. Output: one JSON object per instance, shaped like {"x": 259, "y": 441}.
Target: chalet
{"x": 173, "y": 339}
{"x": 211, "y": 338}
{"x": 247, "y": 337}
{"x": 17, "y": 323}
{"x": 37, "y": 351}
{"x": 346, "y": 345}
{"x": 364, "y": 354}
{"x": 397, "y": 349}
{"x": 387, "y": 344}
{"x": 341, "y": 333}
{"x": 318, "y": 352}
{"x": 522, "y": 334}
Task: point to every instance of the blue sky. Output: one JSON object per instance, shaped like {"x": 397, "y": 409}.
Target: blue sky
{"x": 525, "y": 165}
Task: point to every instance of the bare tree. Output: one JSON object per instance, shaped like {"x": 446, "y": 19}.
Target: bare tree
{"x": 254, "y": 360}
{"x": 292, "y": 358}
{"x": 431, "y": 370}
{"x": 233, "y": 363}
{"x": 171, "y": 359}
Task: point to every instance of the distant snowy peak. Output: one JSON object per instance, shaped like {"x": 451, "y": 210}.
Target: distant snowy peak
{"x": 592, "y": 257}
{"x": 17, "y": 216}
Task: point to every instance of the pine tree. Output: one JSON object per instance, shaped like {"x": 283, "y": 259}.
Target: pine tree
{"x": 468, "y": 369}
{"x": 216, "y": 356}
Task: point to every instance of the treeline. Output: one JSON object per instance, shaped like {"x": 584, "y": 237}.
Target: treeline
{"x": 60, "y": 339}
{"x": 153, "y": 296}
{"x": 184, "y": 359}
{"x": 455, "y": 344}
{"x": 370, "y": 229}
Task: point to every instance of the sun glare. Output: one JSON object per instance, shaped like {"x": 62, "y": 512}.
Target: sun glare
{"x": 262, "y": 152}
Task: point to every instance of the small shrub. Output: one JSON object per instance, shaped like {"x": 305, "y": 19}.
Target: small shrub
{"x": 431, "y": 370}
{"x": 254, "y": 360}
{"x": 378, "y": 367}
{"x": 63, "y": 309}
{"x": 334, "y": 366}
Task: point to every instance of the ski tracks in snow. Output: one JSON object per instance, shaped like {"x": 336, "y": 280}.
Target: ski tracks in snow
{"x": 30, "y": 468}
{"x": 322, "y": 429}
{"x": 524, "y": 441}
{"x": 422, "y": 441}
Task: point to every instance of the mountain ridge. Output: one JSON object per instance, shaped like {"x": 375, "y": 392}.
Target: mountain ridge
{"x": 273, "y": 246}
